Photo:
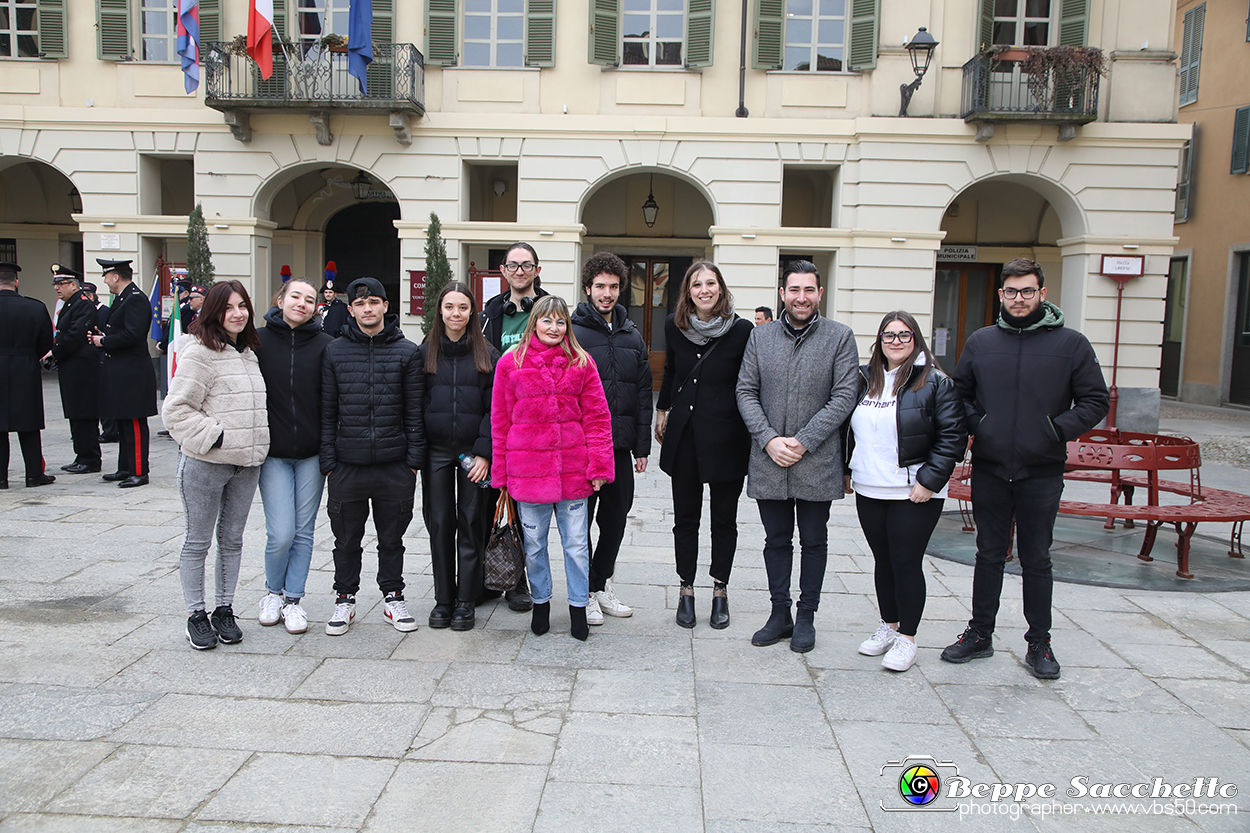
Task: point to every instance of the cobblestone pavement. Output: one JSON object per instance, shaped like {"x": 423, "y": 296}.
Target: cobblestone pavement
{"x": 110, "y": 721}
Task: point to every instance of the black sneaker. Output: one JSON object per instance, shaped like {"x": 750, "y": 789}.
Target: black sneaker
{"x": 199, "y": 632}
{"x": 971, "y": 644}
{"x": 227, "y": 629}
{"x": 1041, "y": 660}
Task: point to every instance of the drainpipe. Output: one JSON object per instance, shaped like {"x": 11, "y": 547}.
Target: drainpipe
{"x": 741, "y": 112}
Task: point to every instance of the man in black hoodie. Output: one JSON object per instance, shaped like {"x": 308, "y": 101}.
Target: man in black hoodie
{"x": 372, "y": 446}
{"x": 1030, "y": 386}
{"x": 602, "y": 326}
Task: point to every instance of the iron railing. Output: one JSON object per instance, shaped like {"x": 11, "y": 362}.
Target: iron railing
{"x": 313, "y": 77}
{"x": 997, "y": 90}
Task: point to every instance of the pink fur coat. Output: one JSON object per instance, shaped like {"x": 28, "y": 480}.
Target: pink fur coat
{"x": 550, "y": 426}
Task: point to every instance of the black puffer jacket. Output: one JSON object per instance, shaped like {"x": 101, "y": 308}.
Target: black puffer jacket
{"x": 621, "y": 356}
{"x": 931, "y": 427}
{"x": 457, "y": 398}
{"x": 372, "y": 388}
{"x": 290, "y": 361}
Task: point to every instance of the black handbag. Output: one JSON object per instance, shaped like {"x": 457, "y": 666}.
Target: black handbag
{"x": 503, "y": 563}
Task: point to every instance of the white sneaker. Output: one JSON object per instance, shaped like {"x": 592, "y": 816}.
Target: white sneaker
{"x": 343, "y": 616}
{"x": 610, "y": 604}
{"x": 594, "y": 615}
{"x": 395, "y": 609}
{"x": 270, "y": 609}
{"x": 879, "y": 642}
{"x": 294, "y": 617}
{"x": 901, "y": 656}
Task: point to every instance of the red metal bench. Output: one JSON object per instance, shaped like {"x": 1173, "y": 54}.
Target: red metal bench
{"x": 1101, "y": 455}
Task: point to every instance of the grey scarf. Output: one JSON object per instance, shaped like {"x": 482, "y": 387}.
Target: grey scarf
{"x": 701, "y": 332}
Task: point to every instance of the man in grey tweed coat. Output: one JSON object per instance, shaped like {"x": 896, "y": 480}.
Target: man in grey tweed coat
{"x": 797, "y": 386}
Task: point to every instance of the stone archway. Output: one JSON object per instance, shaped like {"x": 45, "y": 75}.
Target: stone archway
{"x": 37, "y": 229}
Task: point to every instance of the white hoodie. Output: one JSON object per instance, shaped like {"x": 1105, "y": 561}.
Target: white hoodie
{"x": 875, "y": 472}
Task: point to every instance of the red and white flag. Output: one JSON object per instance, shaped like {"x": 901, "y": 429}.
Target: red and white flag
{"x": 260, "y": 34}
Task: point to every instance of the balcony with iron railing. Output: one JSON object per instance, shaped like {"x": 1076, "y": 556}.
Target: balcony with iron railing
{"x": 310, "y": 78}
{"x": 999, "y": 89}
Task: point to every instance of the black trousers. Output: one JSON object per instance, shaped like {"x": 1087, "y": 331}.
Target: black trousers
{"x": 452, "y": 507}
{"x": 609, "y": 508}
{"x": 391, "y": 487}
{"x": 132, "y": 448}
{"x": 1034, "y": 502}
{"x": 32, "y": 453}
{"x": 688, "y": 508}
{"x": 778, "y": 517}
{"x": 84, "y": 433}
{"x": 898, "y": 532}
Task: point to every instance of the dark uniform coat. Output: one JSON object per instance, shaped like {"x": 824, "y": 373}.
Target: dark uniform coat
{"x": 77, "y": 361}
{"x": 128, "y": 385}
{"x": 25, "y": 337}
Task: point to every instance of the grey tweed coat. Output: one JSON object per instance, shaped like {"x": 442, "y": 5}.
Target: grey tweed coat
{"x": 803, "y": 386}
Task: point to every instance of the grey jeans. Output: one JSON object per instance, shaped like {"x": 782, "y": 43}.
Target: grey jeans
{"x": 214, "y": 496}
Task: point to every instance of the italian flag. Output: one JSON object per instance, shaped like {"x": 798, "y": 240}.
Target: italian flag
{"x": 175, "y": 333}
{"x": 259, "y": 34}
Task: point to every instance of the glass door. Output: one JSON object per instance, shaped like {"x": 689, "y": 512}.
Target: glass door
{"x": 649, "y": 305}
{"x": 963, "y": 302}
{"x": 1173, "y": 328}
{"x": 1239, "y": 384}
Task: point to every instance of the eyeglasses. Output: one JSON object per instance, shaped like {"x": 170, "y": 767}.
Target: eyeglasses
{"x": 903, "y": 337}
{"x": 1027, "y": 293}
{"x": 527, "y": 267}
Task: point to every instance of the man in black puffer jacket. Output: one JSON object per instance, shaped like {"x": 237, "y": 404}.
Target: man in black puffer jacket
{"x": 1030, "y": 386}
{"x": 372, "y": 445}
{"x": 620, "y": 353}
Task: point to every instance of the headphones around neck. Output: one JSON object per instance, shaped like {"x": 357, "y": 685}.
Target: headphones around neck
{"x": 527, "y": 304}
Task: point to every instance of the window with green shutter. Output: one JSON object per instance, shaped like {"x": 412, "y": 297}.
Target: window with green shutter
{"x": 275, "y": 87}
{"x": 1191, "y": 53}
{"x": 210, "y": 22}
{"x": 1033, "y": 23}
{"x": 1185, "y": 178}
{"x": 440, "y": 29}
{"x": 865, "y": 21}
{"x": 1241, "y": 141}
{"x": 700, "y": 15}
{"x": 540, "y": 33}
{"x": 51, "y": 23}
{"x": 605, "y": 32}
{"x": 113, "y": 30}
{"x": 1073, "y": 22}
{"x": 770, "y": 24}
{"x": 380, "y": 74}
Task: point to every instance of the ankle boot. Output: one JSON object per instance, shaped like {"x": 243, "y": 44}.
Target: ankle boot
{"x": 579, "y": 628}
{"x": 540, "y": 618}
{"x": 778, "y": 627}
{"x": 685, "y": 606}
{"x": 804, "y": 638}
{"x": 720, "y": 607}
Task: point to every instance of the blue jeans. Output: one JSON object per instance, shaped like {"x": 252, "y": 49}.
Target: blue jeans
{"x": 573, "y": 521}
{"x": 291, "y": 493}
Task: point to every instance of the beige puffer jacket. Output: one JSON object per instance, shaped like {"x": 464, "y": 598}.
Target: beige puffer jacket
{"x": 218, "y": 394}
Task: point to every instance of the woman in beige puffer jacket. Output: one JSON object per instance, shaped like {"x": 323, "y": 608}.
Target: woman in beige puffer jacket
{"x": 216, "y": 410}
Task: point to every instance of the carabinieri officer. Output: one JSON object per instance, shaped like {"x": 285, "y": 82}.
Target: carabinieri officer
{"x": 128, "y": 383}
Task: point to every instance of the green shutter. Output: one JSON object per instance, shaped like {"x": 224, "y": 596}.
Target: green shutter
{"x": 1074, "y": 22}
{"x": 540, "y": 33}
{"x": 699, "y": 36}
{"x": 113, "y": 30}
{"x": 1191, "y": 53}
{"x": 605, "y": 33}
{"x": 1241, "y": 142}
{"x": 210, "y": 23}
{"x": 770, "y": 23}
{"x": 275, "y": 87}
{"x": 985, "y": 31}
{"x": 440, "y": 28}
{"x": 52, "y": 29}
{"x": 862, "y": 53}
{"x": 380, "y": 73}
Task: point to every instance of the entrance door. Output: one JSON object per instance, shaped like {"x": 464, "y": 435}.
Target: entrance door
{"x": 1173, "y": 328}
{"x": 963, "y": 302}
{"x": 363, "y": 242}
{"x": 651, "y": 299}
{"x": 1239, "y": 384}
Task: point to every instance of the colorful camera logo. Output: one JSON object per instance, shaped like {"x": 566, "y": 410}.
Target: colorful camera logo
{"x": 916, "y": 784}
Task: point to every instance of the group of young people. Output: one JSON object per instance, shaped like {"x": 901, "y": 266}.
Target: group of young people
{"x": 555, "y": 407}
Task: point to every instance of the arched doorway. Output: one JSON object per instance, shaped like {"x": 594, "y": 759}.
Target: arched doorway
{"x": 363, "y": 242}
{"x": 36, "y": 226}
{"x": 657, "y": 255}
{"x": 988, "y": 224}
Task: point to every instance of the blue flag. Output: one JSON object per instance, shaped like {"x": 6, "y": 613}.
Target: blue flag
{"x": 360, "y": 41}
{"x": 157, "y": 331}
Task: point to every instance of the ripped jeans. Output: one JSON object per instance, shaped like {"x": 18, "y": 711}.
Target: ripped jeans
{"x": 572, "y": 519}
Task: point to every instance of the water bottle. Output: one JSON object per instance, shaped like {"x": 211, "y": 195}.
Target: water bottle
{"x": 467, "y": 462}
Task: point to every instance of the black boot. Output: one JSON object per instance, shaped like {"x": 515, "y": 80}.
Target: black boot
{"x": 518, "y": 598}
{"x": 804, "y": 638}
{"x": 540, "y": 618}
{"x": 720, "y": 606}
{"x": 579, "y": 628}
{"x": 778, "y": 627}
{"x": 462, "y": 618}
{"x": 685, "y": 606}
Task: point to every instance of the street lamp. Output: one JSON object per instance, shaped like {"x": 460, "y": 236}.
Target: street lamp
{"x": 650, "y": 208}
{"x": 921, "y": 49}
{"x": 361, "y": 186}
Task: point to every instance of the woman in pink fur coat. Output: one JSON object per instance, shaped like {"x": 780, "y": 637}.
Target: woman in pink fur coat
{"x": 552, "y": 440}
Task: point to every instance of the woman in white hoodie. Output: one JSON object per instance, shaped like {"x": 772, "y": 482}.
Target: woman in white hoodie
{"x": 216, "y": 411}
